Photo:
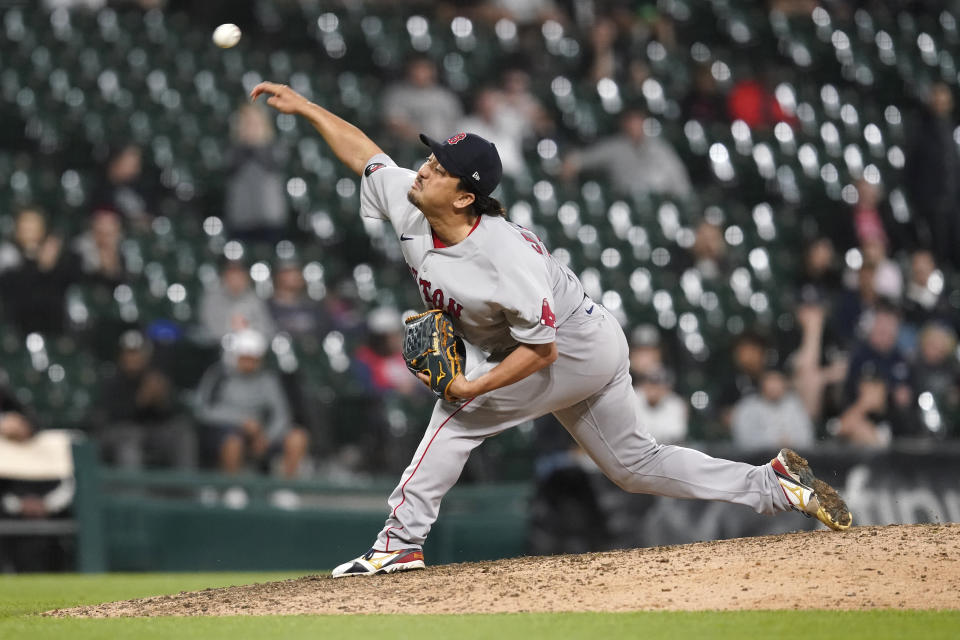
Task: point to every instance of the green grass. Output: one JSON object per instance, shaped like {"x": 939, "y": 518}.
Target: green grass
{"x": 21, "y": 597}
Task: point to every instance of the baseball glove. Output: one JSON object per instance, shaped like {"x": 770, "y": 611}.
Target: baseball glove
{"x": 430, "y": 347}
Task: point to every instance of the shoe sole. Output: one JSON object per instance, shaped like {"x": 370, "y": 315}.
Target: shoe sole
{"x": 392, "y": 568}
{"x": 833, "y": 511}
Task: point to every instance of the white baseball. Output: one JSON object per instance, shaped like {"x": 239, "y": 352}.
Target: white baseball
{"x": 226, "y": 35}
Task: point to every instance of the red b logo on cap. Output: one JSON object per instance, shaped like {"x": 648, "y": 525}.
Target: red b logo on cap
{"x": 457, "y": 138}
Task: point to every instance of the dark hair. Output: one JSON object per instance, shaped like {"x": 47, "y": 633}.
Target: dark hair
{"x": 887, "y": 305}
{"x": 751, "y": 337}
{"x": 482, "y": 205}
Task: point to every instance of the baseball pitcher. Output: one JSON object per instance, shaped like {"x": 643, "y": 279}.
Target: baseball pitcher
{"x": 510, "y": 336}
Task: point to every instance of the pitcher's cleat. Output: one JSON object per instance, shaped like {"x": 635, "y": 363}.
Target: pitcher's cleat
{"x": 374, "y": 562}
{"x": 809, "y": 495}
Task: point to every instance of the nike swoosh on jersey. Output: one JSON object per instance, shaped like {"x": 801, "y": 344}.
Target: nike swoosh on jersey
{"x": 590, "y": 310}
{"x": 405, "y": 237}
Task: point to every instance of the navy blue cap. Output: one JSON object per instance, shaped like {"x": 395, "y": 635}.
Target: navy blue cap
{"x": 468, "y": 156}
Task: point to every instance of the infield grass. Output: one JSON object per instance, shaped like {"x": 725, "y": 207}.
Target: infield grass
{"x": 22, "y": 597}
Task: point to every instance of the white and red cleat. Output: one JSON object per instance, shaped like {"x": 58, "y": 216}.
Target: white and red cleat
{"x": 374, "y": 562}
{"x": 809, "y": 495}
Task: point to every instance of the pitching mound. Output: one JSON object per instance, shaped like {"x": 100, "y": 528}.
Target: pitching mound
{"x": 912, "y": 567}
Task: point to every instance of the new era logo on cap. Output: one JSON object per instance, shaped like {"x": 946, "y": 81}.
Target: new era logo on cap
{"x": 468, "y": 156}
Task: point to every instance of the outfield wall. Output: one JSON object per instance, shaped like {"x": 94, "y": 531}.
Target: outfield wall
{"x": 159, "y": 521}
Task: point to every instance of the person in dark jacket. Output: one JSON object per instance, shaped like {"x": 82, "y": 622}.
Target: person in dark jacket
{"x": 932, "y": 173}
{"x": 255, "y": 203}
{"x": 35, "y": 273}
{"x": 138, "y": 416}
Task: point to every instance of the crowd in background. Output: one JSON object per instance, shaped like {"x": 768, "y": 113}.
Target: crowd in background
{"x": 870, "y": 354}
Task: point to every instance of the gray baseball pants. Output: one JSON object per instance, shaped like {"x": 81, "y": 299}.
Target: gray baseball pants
{"x": 588, "y": 389}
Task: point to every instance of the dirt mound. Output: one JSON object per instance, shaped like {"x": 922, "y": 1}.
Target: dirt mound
{"x": 912, "y": 567}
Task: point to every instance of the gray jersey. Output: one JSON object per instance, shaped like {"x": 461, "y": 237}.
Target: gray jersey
{"x": 500, "y": 285}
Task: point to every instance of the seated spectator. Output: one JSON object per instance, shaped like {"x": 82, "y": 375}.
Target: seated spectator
{"x": 34, "y": 275}
{"x": 821, "y": 270}
{"x": 877, "y": 367}
{"x": 662, "y": 412}
{"x": 233, "y": 304}
{"x": 855, "y": 306}
{"x": 126, "y": 189}
{"x": 243, "y": 413}
{"x": 925, "y": 296}
{"x": 646, "y": 352}
{"x": 379, "y": 365}
{"x": 606, "y": 51}
{"x": 634, "y": 163}
{"x": 420, "y": 104}
{"x": 523, "y": 107}
{"x": 708, "y": 255}
{"x": 255, "y": 199}
{"x": 36, "y": 482}
{"x": 752, "y": 100}
{"x": 937, "y": 371}
{"x": 865, "y": 423}
{"x": 749, "y": 365}
{"x": 98, "y": 249}
{"x": 818, "y": 364}
{"x": 491, "y": 121}
{"x": 772, "y": 418}
{"x": 887, "y": 279}
{"x": 705, "y": 102}
{"x": 137, "y": 418}
{"x": 294, "y": 312}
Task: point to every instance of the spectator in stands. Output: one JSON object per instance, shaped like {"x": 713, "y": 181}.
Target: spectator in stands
{"x": 925, "y": 294}
{"x": 233, "y": 305}
{"x": 708, "y": 255}
{"x": 877, "y": 389}
{"x": 749, "y": 363}
{"x": 125, "y": 188}
{"x": 932, "y": 174}
{"x": 17, "y": 422}
{"x": 888, "y": 279}
{"x": 491, "y": 121}
{"x": 98, "y": 249}
{"x": 772, "y": 418}
{"x": 819, "y": 366}
{"x": 138, "y": 420}
{"x": 854, "y": 306}
{"x": 35, "y": 274}
{"x": 821, "y": 270}
{"x": 255, "y": 206}
{"x": 646, "y": 352}
{"x": 420, "y": 104}
{"x": 751, "y": 99}
{"x": 242, "y": 410}
{"x": 523, "y": 107}
{"x": 36, "y": 483}
{"x": 662, "y": 412}
{"x": 606, "y": 52}
{"x": 937, "y": 372}
{"x": 379, "y": 365}
{"x": 634, "y": 163}
{"x": 292, "y": 310}
{"x": 705, "y": 102}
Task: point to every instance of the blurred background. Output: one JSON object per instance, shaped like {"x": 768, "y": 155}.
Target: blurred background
{"x": 200, "y": 340}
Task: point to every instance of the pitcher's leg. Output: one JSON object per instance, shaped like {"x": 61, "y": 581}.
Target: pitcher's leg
{"x": 606, "y": 426}
{"x": 436, "y": 466}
